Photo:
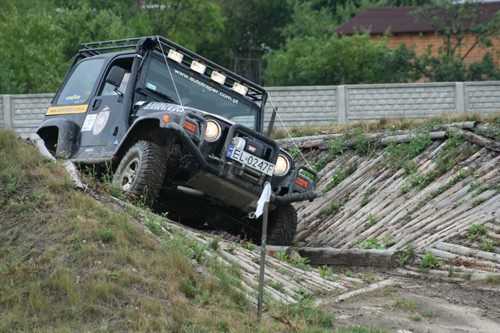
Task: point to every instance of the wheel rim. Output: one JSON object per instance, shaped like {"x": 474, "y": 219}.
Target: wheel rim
{"x": 129, "y": 174}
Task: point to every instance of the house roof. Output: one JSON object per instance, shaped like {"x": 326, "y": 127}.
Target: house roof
{"x": 378, "y": 19}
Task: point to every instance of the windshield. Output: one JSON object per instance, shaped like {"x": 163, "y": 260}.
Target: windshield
{"x": 206, "y": 96}
{"x": 79, "y": 86}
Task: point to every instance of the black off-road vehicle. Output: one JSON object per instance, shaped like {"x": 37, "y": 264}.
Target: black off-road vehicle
{"x": 180, "y": 129}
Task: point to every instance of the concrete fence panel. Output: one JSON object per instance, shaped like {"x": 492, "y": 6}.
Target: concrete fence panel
{"x": 319, "y": 105}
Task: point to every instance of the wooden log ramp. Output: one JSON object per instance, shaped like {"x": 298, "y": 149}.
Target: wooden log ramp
{"x": 378, "y": 203}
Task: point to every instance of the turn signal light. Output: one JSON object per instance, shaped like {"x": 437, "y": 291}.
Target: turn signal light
{"x": 166, "y": 118}
{"x": 189, "y": 126}
{"x": 301, "y": 182}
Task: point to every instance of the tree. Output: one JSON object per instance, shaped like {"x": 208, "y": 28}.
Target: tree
{"x": 31, "y": 61}
{"x": 337, "y": 60}
{"x": 462, "y": 29}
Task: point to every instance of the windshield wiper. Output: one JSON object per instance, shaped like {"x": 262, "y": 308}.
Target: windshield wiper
{"x": 162, "y": 95}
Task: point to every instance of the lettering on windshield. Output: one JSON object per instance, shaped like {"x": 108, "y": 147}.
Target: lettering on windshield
{"x": 206, "y": 86}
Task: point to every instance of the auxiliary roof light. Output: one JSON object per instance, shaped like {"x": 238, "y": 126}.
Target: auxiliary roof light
{"x": 218, "y": 77}
{"x": 175, "y": 56}
{"x": 198, "y": 67}
{"x": 240, "y": 89}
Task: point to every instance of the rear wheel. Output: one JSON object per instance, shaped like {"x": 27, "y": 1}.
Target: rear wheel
{"x": 141, "y": 171}
{"x": 282, "y": 225}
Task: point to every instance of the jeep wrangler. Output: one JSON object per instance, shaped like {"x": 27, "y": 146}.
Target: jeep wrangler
{"x": 179, "y": 129}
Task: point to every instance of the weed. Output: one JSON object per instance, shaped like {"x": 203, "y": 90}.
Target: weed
{"x": 77, "y": 242}
{"x": 338, "y": 147}
{"x": 479, "y": 201}
{"x": 335, "y": 206}
{"x": 368, "y": 277}
{"x": 372, "y": 220}
{"x": 458, "y": 204}
{"x": 405, "y": 189}
{"x": 294, "y": 152}
{"x": 278, "y": 285}
{"x": 475, "y": 231}
{"x": 415, "y": 318}
{"x": 405, "y": 304}
{"x": 370, "y": 244}
{"x": 282, "y": 256}
{"x": 301, "y": 263}
{"x": 326, "y": 273}
{"x": 429, "y": 262}
{"x": 493, "y": 278}
{"x": 349, "y": 273}
{"x": 406, "y": 255}
{"x": 214, "y": 243}
{"x": 248, "y": 245}
{"x": 107, "y": 235}
{"x": 231, "y": 249}
{"x": 431, "y": 314}
{"x": 256, "y": 260}
{"x": 487, "y": 246}
{"x": 154, "y": 223}
{"x": 337, "y": 177}
{"x": 366, "y": 197}
{"x": 361, "y": 141}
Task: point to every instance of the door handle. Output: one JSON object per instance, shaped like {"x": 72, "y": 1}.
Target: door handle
{"x": 96, "y": 104}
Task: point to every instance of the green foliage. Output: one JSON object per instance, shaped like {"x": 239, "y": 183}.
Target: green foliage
{"x": 373, "y": 243}
{"x": 429, "y": 262}
{"x": 281, "y": 255}
{"x": 372, "y": 220}
{"x": 493, "y": 278}
{"x": 326, "y": 273}
{"x": 405, "y": 304}
{"x": 333, "y": 59}
{"x": 402, "y": 154}
{"x": 406, "y": 255}
{"x": 455, "y": 24}
{"x": 475, "y": 231}
{"x": 335, "y": 206}
{"x": 107, "y": 235}
{"x": 367, "y": 196}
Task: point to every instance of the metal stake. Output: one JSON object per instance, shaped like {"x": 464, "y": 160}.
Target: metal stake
{"x": 262, "y": 259}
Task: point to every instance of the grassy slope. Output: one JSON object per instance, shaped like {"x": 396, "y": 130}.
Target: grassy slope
{"x": 69, "y": 263}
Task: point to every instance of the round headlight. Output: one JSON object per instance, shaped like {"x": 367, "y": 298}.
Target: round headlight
{"x": 213, "y": 131}
{"x": 282, "y": 166}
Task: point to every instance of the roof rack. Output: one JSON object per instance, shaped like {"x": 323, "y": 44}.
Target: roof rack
{"x": 255, "y": 92}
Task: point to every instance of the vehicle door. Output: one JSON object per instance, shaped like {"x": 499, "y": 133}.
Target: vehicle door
{"x": 104, "y": 127}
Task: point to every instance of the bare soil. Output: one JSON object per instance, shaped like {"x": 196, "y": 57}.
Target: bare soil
{"x": 434, "y": 304}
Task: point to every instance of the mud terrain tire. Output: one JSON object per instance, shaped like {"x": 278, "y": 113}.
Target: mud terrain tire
{"x": 141, "y": 171}
{"x": 282, "y": 225}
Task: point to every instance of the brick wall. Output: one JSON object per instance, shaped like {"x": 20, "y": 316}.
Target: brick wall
{"x": 319, "y": 105}
{"x": 420, "y": 42}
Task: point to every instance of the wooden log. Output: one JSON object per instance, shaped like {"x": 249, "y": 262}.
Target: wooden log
{"x": 370, "y": 288}
{"x": 349, "y": 257}
{"x": 476, "y": 139}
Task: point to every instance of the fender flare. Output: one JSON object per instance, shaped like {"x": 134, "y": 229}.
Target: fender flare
{"x": 67, "y": 135}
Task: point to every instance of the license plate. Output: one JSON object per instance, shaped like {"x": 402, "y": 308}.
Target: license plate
{"x": 252, "y": 161}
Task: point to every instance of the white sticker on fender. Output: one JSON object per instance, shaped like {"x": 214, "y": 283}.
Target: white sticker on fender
{"x": 89, "y": 122}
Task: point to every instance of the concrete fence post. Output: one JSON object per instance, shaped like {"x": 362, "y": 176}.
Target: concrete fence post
{"x": 460, "y": 97}
{"x": 7, "y": 112}
{"x": 341, "y": 105}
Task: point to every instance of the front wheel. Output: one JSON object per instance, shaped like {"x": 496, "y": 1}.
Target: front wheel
{"x": 141, "y": 171}
{"x": 282, "y": 225}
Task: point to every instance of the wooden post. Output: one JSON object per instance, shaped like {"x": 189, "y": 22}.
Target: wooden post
{"x": 271, "y": 122}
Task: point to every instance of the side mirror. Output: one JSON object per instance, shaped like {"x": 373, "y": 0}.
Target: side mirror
{"x": 115, "y": 76}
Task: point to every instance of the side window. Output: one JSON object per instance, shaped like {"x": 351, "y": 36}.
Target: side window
{"x": 81, "y": 82}
{"x": 108, "y": 89}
